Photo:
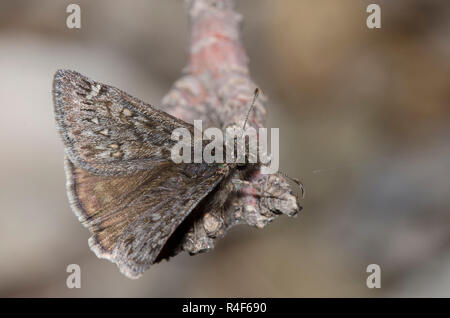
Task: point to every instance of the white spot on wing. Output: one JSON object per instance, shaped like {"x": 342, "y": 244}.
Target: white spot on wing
{"x": 95, "y": 89}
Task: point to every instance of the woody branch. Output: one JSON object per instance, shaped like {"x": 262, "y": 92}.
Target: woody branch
{"x": 217, "y": 88}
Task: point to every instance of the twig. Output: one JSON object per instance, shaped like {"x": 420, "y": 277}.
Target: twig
{"x": 216, "y": 87}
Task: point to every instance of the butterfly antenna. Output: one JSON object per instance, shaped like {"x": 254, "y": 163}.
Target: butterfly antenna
{"x": 297, "y": 182}
{"x": 255, "y": 95}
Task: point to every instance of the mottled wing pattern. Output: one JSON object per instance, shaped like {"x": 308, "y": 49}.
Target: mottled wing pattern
{"x": 105, "y": 130}
{"x": 120, "y": 180}
{"x": 131, "y": 217}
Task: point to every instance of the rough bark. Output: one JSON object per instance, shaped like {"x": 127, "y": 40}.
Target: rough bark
{"x": 217, "y": 88}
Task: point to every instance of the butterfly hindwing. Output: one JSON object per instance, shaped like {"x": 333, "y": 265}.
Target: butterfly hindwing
{"x": 132, "y": 217}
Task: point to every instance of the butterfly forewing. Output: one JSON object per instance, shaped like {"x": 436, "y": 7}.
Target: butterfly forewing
{"x": 108, "y": 132}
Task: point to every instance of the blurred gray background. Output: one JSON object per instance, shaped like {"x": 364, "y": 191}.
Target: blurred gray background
{"x": 364, "y": 121}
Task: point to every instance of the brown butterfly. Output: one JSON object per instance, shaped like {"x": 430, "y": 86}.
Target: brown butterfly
{"x": 121, "y": 181}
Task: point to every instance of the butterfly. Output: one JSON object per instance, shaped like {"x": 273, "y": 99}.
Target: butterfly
{"x": 121, "y": 181}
